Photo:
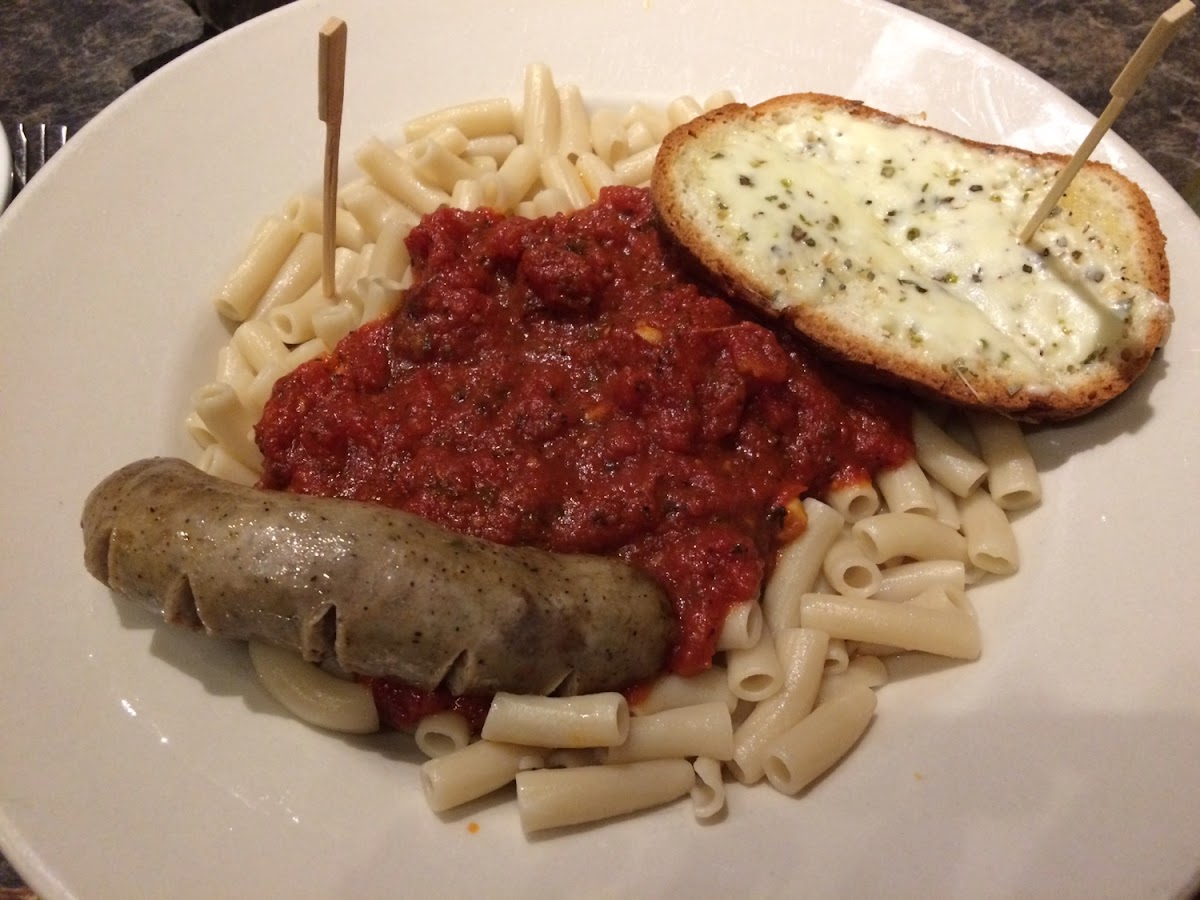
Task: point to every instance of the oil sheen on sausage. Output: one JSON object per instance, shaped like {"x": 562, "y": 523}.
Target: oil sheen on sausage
{"x": 384, "y": 592}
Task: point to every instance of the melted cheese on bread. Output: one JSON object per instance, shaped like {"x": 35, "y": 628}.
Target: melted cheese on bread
{"x": 906, "y": 237}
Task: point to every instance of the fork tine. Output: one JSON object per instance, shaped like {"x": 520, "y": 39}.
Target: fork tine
{"x": 20, "y": 152}
{"x": 53, "y": 139}
{"x": 34, "y": 145}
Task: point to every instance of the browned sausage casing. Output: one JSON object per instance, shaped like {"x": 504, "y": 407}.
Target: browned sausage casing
{"x": 387, "y": 593}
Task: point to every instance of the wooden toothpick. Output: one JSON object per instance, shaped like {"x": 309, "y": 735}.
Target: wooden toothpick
{"x": 1127, "y": 83}
{"x": 331, "y": 86}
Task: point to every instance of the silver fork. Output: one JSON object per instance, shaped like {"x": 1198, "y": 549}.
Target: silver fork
{"x": 33, "y": 145}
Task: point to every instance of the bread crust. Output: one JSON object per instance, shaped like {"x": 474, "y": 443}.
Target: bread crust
{"x": 888, "y": 361}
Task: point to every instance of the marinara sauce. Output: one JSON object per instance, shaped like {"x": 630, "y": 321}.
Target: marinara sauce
{"x": 564, "y": 383}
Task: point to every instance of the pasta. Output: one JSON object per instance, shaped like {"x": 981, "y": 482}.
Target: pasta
{"x": 312, "y": 694}
{"x": 591, "y": 720}
{"x": 472, "y": 772}
{"x": 881, "y": 567}
{"x": 908, "y": 625}
{"x": 708, "y": 793}
{"x": 754, "y": 672}
{"x": 686, "y": 731}
{"x": 1013, "y": 480}
{"x": 554, "y": 798}
{"x": 811, "y": 746}
{"x": 742, "y": 628}
{"x": 671, "y": 691}
{"x": 442, "y": 733}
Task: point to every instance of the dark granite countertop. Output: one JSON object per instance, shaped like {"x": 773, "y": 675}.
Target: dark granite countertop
{"x": 62, "y": 61}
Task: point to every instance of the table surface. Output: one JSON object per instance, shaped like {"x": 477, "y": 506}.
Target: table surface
{"x": 65, "y": 60}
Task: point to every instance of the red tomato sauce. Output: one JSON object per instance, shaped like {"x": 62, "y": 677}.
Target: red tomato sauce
{"x": 565, "y": 383}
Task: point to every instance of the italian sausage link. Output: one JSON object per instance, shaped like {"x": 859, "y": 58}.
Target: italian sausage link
{"x": 385, "y": 592}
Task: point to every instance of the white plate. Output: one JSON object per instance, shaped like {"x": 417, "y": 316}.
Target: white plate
{"x": 141, "y": 760}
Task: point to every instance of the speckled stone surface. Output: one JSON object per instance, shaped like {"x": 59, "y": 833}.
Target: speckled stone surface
{"x": 63, "y": 61}
{"x": 1080, "y": 48}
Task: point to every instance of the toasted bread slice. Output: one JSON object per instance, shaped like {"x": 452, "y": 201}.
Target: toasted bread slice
{"x": 892, "y": 247}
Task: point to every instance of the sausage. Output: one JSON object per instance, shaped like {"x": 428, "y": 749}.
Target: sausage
{"x": 385, "y": 592}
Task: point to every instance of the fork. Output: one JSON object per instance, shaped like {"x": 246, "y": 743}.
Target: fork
{"x": 33, "y": 145}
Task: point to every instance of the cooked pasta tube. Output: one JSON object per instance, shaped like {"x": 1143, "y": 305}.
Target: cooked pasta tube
{"x": 518, "y": 174}
{"x": 653, "y": 119}
{"x": 298, "y": 356}
{"x": 293, "y": 322}
{"x": 198, "y": 431}
{"x": 372, "y": 207}
{"x": 573, "y": 138}
{"x": 570, "y": 758}
{"x": 550, "y": 202}
{"x": 381, "y": 297}
{"x": 555, "y": 798}
{"x": 708, "y": 793}
{"x": 495, "y": 146}
{"x": 854, "y": 501}
{"x": 299, "y": 272}
{"x": 259, "y": 390}
{"x": 217, "y": 461}
{"x": 754, "y": 672}
{"x": 991, "y": 544}
{"x": 595, "y": 173}
{"x": 222, "y": 412}
{"x": 905, "y": 489}
{"x": 719, "y": 99}
{"x": 312, "y": 694}
{"x": 472, "y": 772}
{"x": 939, "y": 597}
{"x": 837, "y": 656}
{"x": 469, "y": 193}
{"x": 804, "y": 652}
{"x": 742, "y": 627}
{"x": 686, "y": 731}
{"x": 946, "y": 460}
{"x": 306, "y": 212}
{"x": 391, "y": 258}
{"x": 814, "y": 744}
{"x": 437, "y": 166}
{"x": 392, "y": 173}
{"x": 1013, "y": 479}
{"x": 670, "y": 691}
{"x": 587, "y": 720}
{"x": 608, "y": 135}
{"x": 233, "y": 369}
{"x": 906, "y": 581}
{"x": 682, "y": 110}
{"x": 441, "y": 733}
{"x": 447, "y": 135}
{"x": 476, "y": 119}
{"x": 333, "y": 323}
{"x": 798, "y": 563}
{"x": 863, "y": 671}
{"x": 259, "y": 344}
{"x": 249, "y": 281}
{"x": 635, "y": 168}
{"x": 945, "y": 505}
{"x": 892, "y": 535}
{"x": 540, "y": 112}
{"x": 943, "y": 633}
{"x": 557, "y": 172}
{"x": 849, "y": 570}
